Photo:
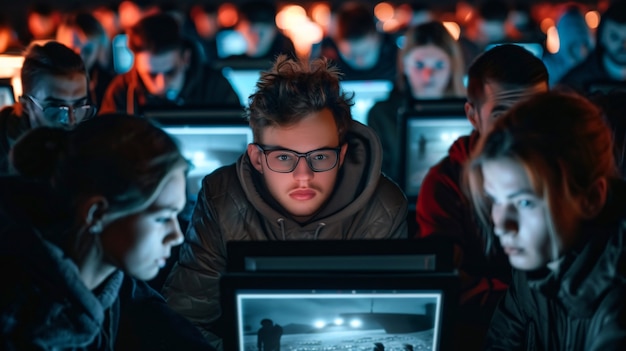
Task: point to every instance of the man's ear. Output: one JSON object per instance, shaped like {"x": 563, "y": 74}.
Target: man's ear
{"x": 92, "y": 213}
{"x": 595, "y": 197}
{"x": 342, "y": 153}
{"x": 471, "y": 113}
{"x": 256, "y": 157}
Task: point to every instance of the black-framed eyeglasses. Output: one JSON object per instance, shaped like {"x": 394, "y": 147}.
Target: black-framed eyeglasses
{"x": 285, "y": 160}
{"x": 64, "y": 114}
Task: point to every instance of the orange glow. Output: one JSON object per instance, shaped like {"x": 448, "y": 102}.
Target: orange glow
{"x": 227, "y": 15}
{"x": 546, "y": 24}
{"x": 290, "y": 16}
{"x": 305, "y": 34}
{"x": 593, "y": 19}
{"x": 404, "y": 14}
{"x": 552, "y": 40}
{"x": 454, "y": 29}
{"x": 391, "y": 25}
{"x": 320, "y": 13}
{"x": 383, "y": 11}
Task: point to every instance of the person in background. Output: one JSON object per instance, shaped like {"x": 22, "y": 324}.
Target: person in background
{"x": 545, "y": 184}
{"x": 42, "y": 21}
{"x": 206, "y": 25}
{"x": 55, "y": 93}
{"x": 168, "y": 71}
{"x": 257, "y": 25}
{"x": 356, "y": 47}
{"x": 607, "y": 62}
{"x": 575, "y": 43}
{"x": 83, "y": 33}
{"x": 430, "y": 66}
{"x": 443, "y": 209}
{"x": 312, "y": 173}
{"x": 9, "y": 41}
{"x": 84, "y": 215}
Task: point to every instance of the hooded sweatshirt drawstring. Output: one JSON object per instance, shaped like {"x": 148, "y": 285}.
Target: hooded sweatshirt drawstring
{"x": 281, "y": 223}
{"x": 318, "y": 230}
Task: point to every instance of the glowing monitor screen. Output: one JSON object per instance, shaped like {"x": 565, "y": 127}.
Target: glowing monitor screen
{"x": 122, "y": 56}
{"x": 243, "y": 81}
{"x": 339, "y": 311}
{"x": 366, "y": 94}
{"x": 6, "y": 96}
{"x": 209, "y": 148}
{"x": 535, "y": 48}
{"x": 428, "y": 140}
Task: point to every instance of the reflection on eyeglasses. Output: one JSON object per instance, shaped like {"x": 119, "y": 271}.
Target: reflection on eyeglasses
{"x": 63, "y": 114}
{"x": 285, "y": 161}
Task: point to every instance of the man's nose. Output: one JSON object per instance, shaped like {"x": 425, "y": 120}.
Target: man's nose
{"x": 302, "y": 171}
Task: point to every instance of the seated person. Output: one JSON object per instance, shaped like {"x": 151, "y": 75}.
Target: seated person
{"x": 607, "y": 62}
{"x": 78, "y": 224}
{"x": 545, "y": 183}
{"x": 83, "y": 33}
{"x": 312, "y": 173}
{"x": 357, "y": 48}
{"x": 443, "y": 208}
{"x": 430, "y": 66}
{"x": 54, "y": 93}
{"x": 167, "y": 71}
{"x": 257, "y": 25}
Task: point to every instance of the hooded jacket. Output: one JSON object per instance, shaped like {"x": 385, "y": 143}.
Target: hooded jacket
{"x": 203, "y": 86}
{"x": 234, "y": 205}
{"x": 12, "y": 126}
{"x": 44, "y": 304}
{"x": 580, "y": 306}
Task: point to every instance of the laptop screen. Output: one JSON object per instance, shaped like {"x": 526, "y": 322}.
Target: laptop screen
{"x": 338, "y": 316}
{"x": 428, "y": 137}
{"x": 208, "y": 138}
{"x": 243, "y": 81}
{"x": 366, "y": 94}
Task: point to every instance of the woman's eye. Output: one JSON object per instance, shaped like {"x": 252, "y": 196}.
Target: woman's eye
{"x": 525, "y": 203}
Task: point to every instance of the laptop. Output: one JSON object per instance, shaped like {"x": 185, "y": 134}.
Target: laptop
{"x": 312, "y": 311}
{"x": 430, "y": 128}
{"x": 208, "y": 137}
{"x": 7, "y": 96}
{"x": 366, "y": 94}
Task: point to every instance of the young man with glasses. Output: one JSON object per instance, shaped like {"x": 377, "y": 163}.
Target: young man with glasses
{"x": 55, "y": 93}
{"x": 312, "y": 173}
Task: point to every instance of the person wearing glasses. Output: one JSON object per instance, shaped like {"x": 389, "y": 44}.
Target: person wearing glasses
{"x": 312, "y": 173}
{"x": 54, "y": 93}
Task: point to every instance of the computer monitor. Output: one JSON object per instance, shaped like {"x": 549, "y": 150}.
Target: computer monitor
{"x": 534, "y": 47}
{"x": 339, "y": 311}
{"x": 123, "y": 58}
{"x": 243, "y": 81}
{"x": 427, "y": 255}
{"x": 7, "y": 96}
{"x": 428, "y": 134}
{"x": 366, "y": 94}
{"x": 209, "y": 138}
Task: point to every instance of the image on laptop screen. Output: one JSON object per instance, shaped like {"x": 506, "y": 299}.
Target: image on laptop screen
{"x": 427, "y": 142}
{"x": 340, "y": 311}
{"x": 366, "y": 94}
{"x": 209, "y": 148}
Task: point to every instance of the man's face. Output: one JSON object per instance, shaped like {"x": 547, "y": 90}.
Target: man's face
{"x": 48, "y": 102}
{"x": 301, "y": 192}
{"x": 86, "y": 47}
{"x": 496, "y": 101}
{"x": 614, "y": 41}
{"x": 360, "y": 53}
{"x": 163, "y": 74}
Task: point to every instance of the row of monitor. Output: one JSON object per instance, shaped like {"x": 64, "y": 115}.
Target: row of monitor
{"x": 211, "y": 138}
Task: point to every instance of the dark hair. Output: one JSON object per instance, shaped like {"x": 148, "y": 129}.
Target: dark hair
{"x": 258, "y": 11}
{"x": 52, "y": 58}
{"x": 292, "y": 89}
{"x": 494, "y": 10}
{"x": 355, "y": 20}
{"x": 509, "y": 65}
{"x": 560, "y": 139}
{"x": 86, "y": 23}
{"x": 155, "y": 34}
{"x": 123, "y": 158}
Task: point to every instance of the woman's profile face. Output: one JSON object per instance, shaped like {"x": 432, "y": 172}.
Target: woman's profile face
{"x": 520, "y": 217}
{"x": 428, "y": 70}
{"x": 140, "y": 243}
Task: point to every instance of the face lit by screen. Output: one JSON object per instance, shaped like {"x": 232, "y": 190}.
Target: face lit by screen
{"x": 428, "y": 71}
{"x": 141, "y": 243}
{"x": 162, "y": 74}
